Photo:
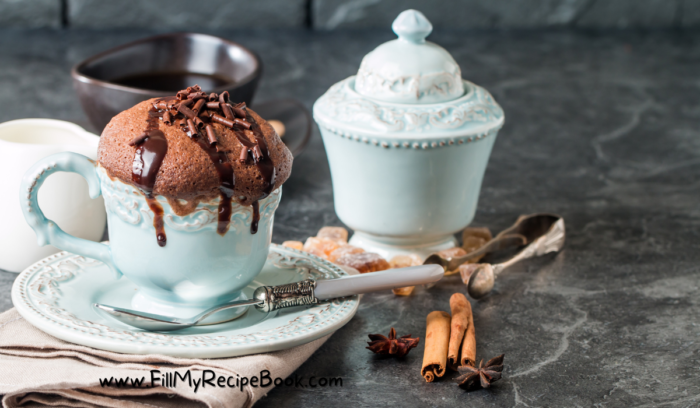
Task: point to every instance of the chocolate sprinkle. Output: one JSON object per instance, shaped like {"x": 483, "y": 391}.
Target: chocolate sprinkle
{"x": 196, "y": 95}
{"x": 257, "y": 154}
{"x": 187, "y": 103}
{"x": 242, "y": 123}
{"x": 218, "y": 119}
{"x": 167, "y": 118}
{"x": 211, "y": 134}
{"x": 186, "y": 111}
{"x": 228, "y": 112}
{"x": 198, "y": 105}
{"x": 239, "y": 110}
{"x": 192, "y": 128}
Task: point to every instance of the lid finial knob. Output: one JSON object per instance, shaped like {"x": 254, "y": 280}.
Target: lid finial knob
{"x": 411, "y": 25}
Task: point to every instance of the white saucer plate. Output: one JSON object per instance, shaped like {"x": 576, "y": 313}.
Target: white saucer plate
{"x": 56, "y": 296}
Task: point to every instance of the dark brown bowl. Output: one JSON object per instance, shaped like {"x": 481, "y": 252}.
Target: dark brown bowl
{"x": 117, "y": 79}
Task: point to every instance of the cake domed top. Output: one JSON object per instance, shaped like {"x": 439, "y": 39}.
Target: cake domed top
{"x": 195, "y": 147}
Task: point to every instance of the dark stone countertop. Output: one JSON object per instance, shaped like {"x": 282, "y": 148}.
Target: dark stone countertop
{"x": 601, "y": 128}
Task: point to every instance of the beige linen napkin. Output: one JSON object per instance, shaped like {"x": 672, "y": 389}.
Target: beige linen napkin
{"x": 37, "y": 369}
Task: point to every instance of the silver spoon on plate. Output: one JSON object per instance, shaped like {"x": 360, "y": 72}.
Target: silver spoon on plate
{"x": 270, "y": 298}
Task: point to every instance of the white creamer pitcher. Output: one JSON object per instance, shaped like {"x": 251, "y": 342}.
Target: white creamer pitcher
{"x": 64, "y": 197}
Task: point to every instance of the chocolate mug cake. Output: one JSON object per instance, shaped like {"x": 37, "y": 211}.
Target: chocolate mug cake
{"x": 195, "y": 147}
{"x": 190, "y": 184}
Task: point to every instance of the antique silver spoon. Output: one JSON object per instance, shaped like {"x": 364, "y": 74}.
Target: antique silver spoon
{"x": 525, "y": 230}
{"x": 498, "y": 243}
{"x": 480, "y": 278}
{"x": 270, "y": 298}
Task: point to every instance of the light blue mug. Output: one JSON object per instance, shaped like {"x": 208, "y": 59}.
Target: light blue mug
{"x": 196, "y": 269}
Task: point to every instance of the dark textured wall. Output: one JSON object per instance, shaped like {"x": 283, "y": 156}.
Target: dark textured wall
{"x": 332, "y": 14}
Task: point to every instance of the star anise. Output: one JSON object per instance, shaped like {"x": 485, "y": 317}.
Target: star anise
{"x": 391, "y": 345}
{"x": 473, "y": 378}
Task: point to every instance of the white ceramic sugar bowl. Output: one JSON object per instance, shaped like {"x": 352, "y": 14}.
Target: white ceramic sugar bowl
{"x": 408, "y": 141}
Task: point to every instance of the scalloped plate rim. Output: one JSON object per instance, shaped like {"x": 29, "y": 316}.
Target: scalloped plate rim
{"x": 64, "y": 332}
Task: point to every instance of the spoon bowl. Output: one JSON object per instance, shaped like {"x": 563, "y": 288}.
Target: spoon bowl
{"x": 546, "y": 232}
{"x": 154, "y": 322}
{"x": 481, "y": 280}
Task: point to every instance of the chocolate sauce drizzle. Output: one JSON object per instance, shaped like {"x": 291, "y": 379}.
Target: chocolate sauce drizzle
{"x": 256, "y": 217}
{"x": 266, "y": 167}
{"x": 196, "y": 122}
{"x": 151, "y": 150}
{"x": 227, "y": 181}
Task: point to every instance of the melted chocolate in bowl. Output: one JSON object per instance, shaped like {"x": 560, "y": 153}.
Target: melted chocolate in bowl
{"x": 161, "y": 65}
{"x": 173, "y": 81}
{"x": 193, "y": 111}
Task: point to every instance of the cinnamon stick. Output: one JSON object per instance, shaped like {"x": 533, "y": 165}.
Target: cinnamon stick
{"x": 437, "y": 337}
{"x": 469, "y": 343}
{"x": 461, "y": 310}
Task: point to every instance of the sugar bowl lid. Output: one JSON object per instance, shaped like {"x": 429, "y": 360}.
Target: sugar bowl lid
{"x": 408, "y": 88}
{"x": 410, "y": 69}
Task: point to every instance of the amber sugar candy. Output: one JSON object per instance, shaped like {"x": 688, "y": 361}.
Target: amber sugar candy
{"x": 364, "y": 262}
{"x": 474, "y": 238}
{"x": 404, "y": 261}
{"x": 343, "y": 250}
{"x": 293, "y": 244}
{"x": 321, "y": 247}
{"x": 337, "y": 234}
{"x": 326, "y": 241}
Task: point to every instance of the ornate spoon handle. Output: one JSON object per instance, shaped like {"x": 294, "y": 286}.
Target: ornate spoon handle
{"x": 552, "y": 241}
{"x": 289, "y": 295}
{"x": 308, "y": 291}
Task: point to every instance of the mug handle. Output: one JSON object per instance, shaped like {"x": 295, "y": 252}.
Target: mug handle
{"x": 47, "y": 231}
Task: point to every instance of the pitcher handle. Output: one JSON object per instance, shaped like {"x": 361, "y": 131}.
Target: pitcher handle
{"x": 47, "y": 231}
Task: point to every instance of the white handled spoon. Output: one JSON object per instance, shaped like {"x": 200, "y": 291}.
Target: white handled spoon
{"x": 306, "y": 292}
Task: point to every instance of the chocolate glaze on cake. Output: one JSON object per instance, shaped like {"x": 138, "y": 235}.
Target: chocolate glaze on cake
{"x": 188, "y": 151}
{"x": 151, "y": 150}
